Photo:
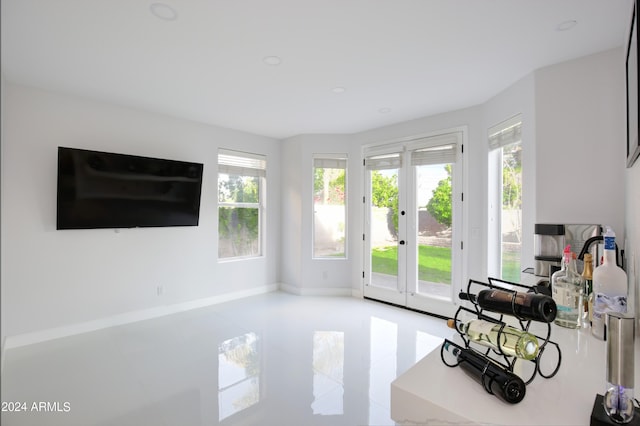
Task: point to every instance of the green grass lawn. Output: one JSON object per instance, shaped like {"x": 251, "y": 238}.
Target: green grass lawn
{"x": 434, "y": 264}
{"x": 511, "y": 267}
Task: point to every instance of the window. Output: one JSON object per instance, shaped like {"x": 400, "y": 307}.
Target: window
{"x": 329, "y": 207}
{"x": 241, "y": 195}
{"x": 505, "y": 195}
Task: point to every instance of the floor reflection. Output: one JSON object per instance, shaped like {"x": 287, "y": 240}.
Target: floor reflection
{"x": 328, "y": 373}
{"x": 383, "y": 361}
{"x": 238, "y": 374}
{"x": 274, "y": 359}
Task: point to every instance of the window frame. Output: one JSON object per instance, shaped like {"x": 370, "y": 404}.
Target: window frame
{"x": 501, "y": 135}
{"x": 397, "y": 154}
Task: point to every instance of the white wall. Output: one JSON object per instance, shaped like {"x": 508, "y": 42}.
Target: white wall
{"x": 572, "y": 109}
{"x": 632, "y": 233}
{"x": 2, "y": 227}
{"x": 632, "y": 227}
{"x": 306, "y": 275}
{"x": 54, "y": 278}
{"x": 60, "y": 278}
{"x": 632, "y": 241}
{"x": 518, "y": 98}
{"x": 580, "y": 141}
{"x": 291, "y": 250}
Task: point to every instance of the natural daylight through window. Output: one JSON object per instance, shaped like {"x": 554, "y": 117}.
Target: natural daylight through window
{"x": 241, "y": 187}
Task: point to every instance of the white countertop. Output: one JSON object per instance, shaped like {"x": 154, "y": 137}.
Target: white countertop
{"x": 430, "y": 393}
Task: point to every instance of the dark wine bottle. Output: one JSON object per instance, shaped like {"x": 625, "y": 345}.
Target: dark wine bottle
{"x": 492, "y": 376}
{"x": 526, "y": 306}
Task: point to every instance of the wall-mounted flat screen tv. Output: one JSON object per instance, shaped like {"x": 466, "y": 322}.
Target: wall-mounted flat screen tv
{"x": 106, "y": 190}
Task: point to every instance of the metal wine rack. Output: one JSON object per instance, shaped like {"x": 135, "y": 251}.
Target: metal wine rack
{"x": 497, "y": 355}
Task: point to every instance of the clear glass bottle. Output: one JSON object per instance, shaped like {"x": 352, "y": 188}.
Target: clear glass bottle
{"x": 564, "y": 265}
{"x": 568, "y": 290}
{"x": 509, "y": 340}
{"x": 609, "y": 287}
{"x": 587, "y": 274}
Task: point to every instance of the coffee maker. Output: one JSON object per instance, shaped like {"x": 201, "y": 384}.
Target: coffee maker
{"x": 551, "y": 239}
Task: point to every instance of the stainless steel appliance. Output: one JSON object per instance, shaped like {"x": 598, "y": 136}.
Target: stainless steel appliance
{"x": 551, "y": 239}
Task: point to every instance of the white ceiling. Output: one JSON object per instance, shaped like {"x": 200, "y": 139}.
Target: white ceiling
{"x": 413, "y": 57}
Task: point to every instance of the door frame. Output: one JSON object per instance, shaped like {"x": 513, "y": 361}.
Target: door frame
{"x": 406, "y": 294}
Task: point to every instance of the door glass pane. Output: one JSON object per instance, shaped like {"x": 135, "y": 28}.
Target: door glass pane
{"x": 435, "y": 214}
{"x": 511, "y": 232}
{"x": 384, "y": 228}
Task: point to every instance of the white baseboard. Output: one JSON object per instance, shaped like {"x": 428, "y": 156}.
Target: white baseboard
{"x": 126, "y": 318}
{"x": 317, "y": 291}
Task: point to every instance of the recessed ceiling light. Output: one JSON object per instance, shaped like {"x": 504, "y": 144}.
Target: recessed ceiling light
{"x": 272, "y": 60}
{"x": 163, "y": 11}
{"x": 384, "y": 110}
{"x": 566, "y": 25}
{"x": 338, "y": 90}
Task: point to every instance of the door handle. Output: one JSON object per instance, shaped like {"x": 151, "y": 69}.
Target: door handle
{"x": 401, "y": 242}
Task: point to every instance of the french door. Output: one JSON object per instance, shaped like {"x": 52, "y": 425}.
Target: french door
{"x": 413, "y": 221}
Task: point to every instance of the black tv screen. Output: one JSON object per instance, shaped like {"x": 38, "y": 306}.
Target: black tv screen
{"x": 106, "y": 190}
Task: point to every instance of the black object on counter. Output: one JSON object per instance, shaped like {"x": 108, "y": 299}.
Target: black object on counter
{"x": 587, "y": 246}
{"x": 599, "y": 416}
{"x": 542, "y": 287}
{"x": 526, "y": 306}
{"x": 494, "y": 378}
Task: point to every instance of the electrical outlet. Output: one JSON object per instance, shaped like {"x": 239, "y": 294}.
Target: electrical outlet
{"x": 159, "y": 290}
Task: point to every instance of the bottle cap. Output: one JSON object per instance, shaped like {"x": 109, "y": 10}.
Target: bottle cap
{"x": 530, "y": 348}
{"x": 609, "y": 239}
{"x": 609, "y": 232}
{"x": 547, "y": 308}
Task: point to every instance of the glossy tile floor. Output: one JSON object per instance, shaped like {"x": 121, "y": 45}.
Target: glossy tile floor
{"x": 273, "y": 359}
